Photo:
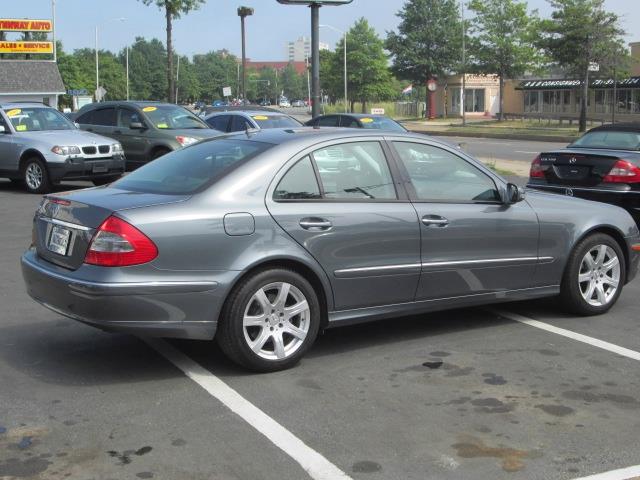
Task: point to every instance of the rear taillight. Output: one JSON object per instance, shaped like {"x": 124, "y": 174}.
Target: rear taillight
{"x": 623, "y": 172}
{"x": 537, "y": 170}
{"x": 119, "y": 244}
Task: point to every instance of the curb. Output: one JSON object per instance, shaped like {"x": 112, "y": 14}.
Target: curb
{"x": 505, "y": 136}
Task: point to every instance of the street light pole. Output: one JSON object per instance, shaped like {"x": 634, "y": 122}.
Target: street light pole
{"x": 242, "y": 13}
{"x": 315, "y": 59}
{"x": 177, "y": 78}
{"x": 464, "y": 66}
{"x": 127, "y": 64}
{"x": 346, "y": 101}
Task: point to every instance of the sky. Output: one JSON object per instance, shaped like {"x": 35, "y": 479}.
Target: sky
{"x": 216, "y": 25}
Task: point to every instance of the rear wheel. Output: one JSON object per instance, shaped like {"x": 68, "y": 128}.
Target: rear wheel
{"x": 35, "y": 176}
{"x": 594, "y": 276}
{"x": 105, "y": 180}
{"x": 270, "y": 320}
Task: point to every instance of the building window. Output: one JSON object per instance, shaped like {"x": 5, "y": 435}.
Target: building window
{"x": 531, "y": 102}
{"x": 474, "y": 100}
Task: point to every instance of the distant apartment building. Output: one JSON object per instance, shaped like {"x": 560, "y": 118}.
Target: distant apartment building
{"x": 300, "y": 49}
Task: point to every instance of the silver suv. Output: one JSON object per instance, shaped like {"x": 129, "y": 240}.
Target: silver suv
{"x": 39, "y": 147}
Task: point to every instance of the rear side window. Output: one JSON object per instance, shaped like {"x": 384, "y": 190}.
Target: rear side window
{"x": 86, "y": 118}
{"x": 191, "y": 169}
{"x": 328, "y": 121}
{"x": 239, "y": 123}
{"x": 299, "y": 183}
{"x": 275, "y": 121}
{"x": 349, "y": 122}
{"x": 356, "y": 170}
{"x": 219, "y": 122}
{"x": 104, "y": 116}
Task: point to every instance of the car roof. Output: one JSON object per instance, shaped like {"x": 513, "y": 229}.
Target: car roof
{"x": 23, "y": 105}
{"x": 136, "y": 103}
{"x": 356, "y": 115}
{"x": 624, "y": 127}
{"x": 240, "y": 108}
{"x": 249, "y": 113}
{"x": 280, "y": 136}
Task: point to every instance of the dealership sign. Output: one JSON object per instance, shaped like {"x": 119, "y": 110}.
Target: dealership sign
{"x": 26, "y": 47}
{"x": 631, "y": 82}
{"x": 24, "y": 25}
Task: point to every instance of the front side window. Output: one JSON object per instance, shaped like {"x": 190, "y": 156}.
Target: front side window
{"x": 34, "y": 119}
{"x": 331, "y": 121}
{"x": 299, "y": 183}
{"x": 172, "y": 117}
{"x": 239, "y": 123}
{"x": 190, "y": 170}
{"x": 356, "y": 170}
{"x": 218, "y": 122}
{"x": 104, "y": 116}
{"x": 126, "y": 117}
{"x": 438, "y": 175}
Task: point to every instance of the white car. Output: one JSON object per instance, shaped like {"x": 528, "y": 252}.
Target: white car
{"x": 284, "y": 103}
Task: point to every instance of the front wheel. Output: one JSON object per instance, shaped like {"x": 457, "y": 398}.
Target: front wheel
{"x": 269, "y": 321}
{"x": 594, "y": 276}
{"x": 35, "y": 176}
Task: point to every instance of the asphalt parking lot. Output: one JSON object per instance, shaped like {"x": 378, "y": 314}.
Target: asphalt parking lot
{"x": 464, "y": 394}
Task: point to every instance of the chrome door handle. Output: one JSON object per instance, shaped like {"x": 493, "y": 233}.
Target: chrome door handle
{"x": 314, "y": 223}
{"x": 435, "y": 220}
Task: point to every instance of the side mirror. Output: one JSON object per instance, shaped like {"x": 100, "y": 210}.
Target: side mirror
{"x": 136, "y": 126}
{"x": 513, "y": 194}
{"x": 2, "y": 130}
{"x": 76, "y": 124}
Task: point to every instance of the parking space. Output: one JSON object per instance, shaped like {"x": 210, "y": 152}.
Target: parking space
{"x": 464, "y": 394}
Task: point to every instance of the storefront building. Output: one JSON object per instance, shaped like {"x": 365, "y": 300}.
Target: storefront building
{"x": 480, "y": 95}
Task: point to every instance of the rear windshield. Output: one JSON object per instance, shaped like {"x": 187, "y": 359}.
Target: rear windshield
{"x": 618, "y": 140}
{"x": 276, "y": 121}
{"x": 172, "y": 117}
{"x": 381, "y": 123}
{"x": 191, "y": 169}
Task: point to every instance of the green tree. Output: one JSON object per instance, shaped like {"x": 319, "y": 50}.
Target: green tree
{"x": 147, "y": 79}
{"x": 578, "y": 33}
{"x": 292, "y": 83}
{"x": 330, "y": 77}
{"x": 188, "y": 84}
{"x": 428, "y": 42}
{"x": 213, "y": 71}
{"x": 501, "y": 42}
{"x": 369, "y": 77}
{"x": 172, "y": 10}
{"x": 112, "y": 72}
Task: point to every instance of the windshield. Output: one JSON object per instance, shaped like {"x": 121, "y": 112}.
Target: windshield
{"x": 36, "y": 119}
{"x": 381, "y": 123}
{"x": 276, "y": 121}
{"x": 617, "y": 140}
{"x": 172, "y": 117}
{"x": 191, "y": 169}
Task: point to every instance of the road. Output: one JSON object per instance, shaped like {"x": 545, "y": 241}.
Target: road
{"x": 465, "y": 394}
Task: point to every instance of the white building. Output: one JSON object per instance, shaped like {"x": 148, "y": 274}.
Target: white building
{"x": 300, "y": 49}
{"x": 30, "y": 81}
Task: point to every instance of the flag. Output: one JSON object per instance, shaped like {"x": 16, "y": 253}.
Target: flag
{"x": 407, "y": 90}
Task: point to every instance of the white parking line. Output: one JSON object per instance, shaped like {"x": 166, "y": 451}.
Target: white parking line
{"x": 625, "y": 352}
{"x": 524, "y": 151}
{"x": 316, "y": 465}
{"x": 628, "y": 473}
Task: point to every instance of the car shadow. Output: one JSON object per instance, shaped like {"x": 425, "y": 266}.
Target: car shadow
{"x": 63, "y": 352}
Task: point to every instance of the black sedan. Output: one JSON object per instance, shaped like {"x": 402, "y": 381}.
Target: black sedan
{"x": 356, "y": 120}
{"x": 602, "y": 165}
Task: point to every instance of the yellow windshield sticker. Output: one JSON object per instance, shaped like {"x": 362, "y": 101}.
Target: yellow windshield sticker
{"x": 366, "y": 120}
{"x": 162, "y": 125}
{"x": 150, "y": 109}
{"x": 14, "y": 112}
{"x": 260, "y": 117}
{"x": 21, "y": 128}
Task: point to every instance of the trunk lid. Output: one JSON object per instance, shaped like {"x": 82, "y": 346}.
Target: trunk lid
{"x": 65, "y": 223}
{"x": 577, "y": 168}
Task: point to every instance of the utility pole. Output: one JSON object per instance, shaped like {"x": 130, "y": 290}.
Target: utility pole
{"x": 177, "y": 78}
{"x": 464, "y": 66}
{"x": 315, "y": 59}
{"x": 127, "y": 66}
{"x": 53, "y": 30}
{"x": 244, "y": 12}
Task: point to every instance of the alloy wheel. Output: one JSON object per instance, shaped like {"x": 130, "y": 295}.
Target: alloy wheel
{"x": 599, "y": 275}
{"x": 33, "y": 176}
{"x": 276, "y": 321}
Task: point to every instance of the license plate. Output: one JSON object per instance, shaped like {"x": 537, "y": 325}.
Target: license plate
{"x": 100, "y": 169}
{"x": 59, "y": 240}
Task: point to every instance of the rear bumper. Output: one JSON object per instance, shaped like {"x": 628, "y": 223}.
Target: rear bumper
{"x": 173, "y": 309}
{"x": 627, "y": 199}
{"x": 78, "y": 168}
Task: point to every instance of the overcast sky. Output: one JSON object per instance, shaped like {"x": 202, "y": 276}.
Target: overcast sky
{"x": 216, "y": 25}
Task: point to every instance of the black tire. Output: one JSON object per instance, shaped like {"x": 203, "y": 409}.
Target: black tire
{"x": 571, "y": 290}
{"x": 233, "y": 337}
{"x": 35, "y": 176}
{"x": 98, "y": 182}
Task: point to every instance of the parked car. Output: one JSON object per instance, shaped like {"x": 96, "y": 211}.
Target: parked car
{"x": 356, "y": 120}
{"x": 265, "y": 103}
{"x": 298, "y": 103}
{"x": 602, "y": 165}
{"x": 146, "y": 130}
{"x": 241, "y": 120}
{"x": 263, "y": 240}
{"x": 284, "y": 103}
{"x": 39, "y": 147}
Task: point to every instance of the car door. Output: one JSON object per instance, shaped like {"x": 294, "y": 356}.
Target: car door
{"x": 9, "y": 149}
{"x": 341, "y": 203}
{"x": 135, "y": 144}
{"x": 240, "y": 124}
{"x": 219, "y": 122}
{"x": 471, "y": 242}
{"x": 349, "y": 122}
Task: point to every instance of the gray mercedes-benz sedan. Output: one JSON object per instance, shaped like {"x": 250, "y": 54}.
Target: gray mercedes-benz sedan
{"x": 262, "y": 239}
